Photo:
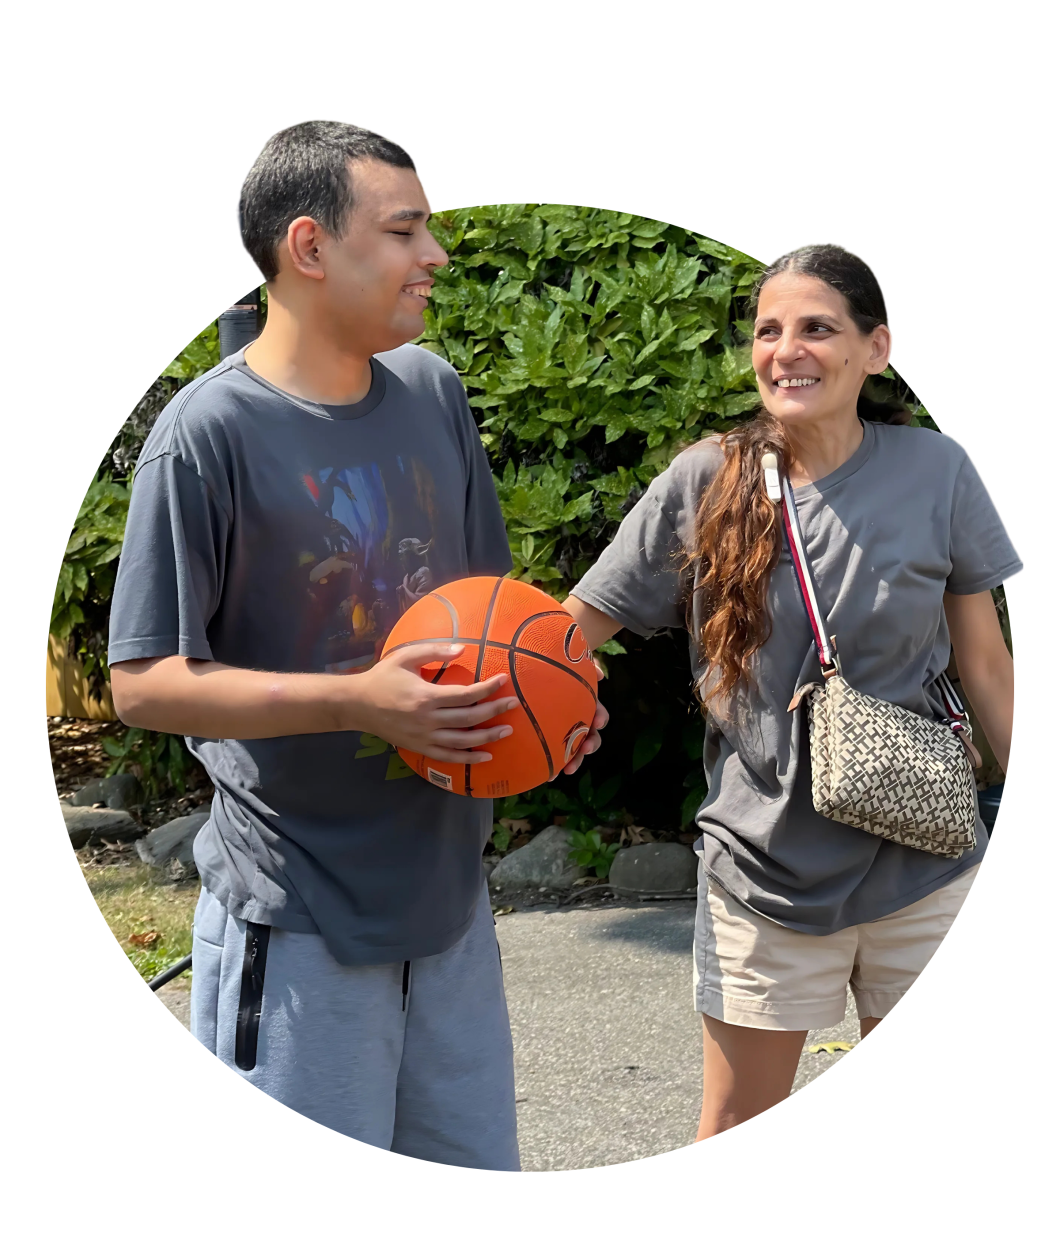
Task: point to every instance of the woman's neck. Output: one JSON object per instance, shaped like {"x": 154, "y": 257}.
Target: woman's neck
{"x": 820, "y": 447}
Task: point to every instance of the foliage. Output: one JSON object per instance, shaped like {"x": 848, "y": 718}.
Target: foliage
{"x": 589, "y": 851}
{"x": 81, "y": 606}
{"x": 160, "y": 761}
{"x": 1001, "y": 605}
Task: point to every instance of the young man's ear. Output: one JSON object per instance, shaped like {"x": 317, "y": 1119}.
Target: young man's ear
{"x": 304, "y": 239}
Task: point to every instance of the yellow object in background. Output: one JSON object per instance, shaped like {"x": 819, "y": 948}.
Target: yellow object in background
{"x": 66, "y": 691}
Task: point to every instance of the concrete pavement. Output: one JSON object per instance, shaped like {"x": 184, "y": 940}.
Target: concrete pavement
{"x": 608, "y": 1061}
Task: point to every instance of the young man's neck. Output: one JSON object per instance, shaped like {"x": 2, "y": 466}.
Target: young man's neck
{"x": 303, "y": 358}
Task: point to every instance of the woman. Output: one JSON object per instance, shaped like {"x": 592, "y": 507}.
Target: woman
{"x": 905, "y": 546}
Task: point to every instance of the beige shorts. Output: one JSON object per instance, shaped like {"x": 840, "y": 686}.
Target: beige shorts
{"x": 752, "y": 972}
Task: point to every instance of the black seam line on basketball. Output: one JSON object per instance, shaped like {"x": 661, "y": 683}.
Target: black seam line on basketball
{"x": 408, "y": 644}
{"x": 486, "y": 629}
{"x": 496, "y": 644}
{"x": 478, "y": 665}
{"x": 525, "y": 624}
{"x": 455, "y": 618}
{"x": 529, "y": 712}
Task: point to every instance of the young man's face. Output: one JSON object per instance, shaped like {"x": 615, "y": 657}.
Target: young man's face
{"x": 377, "y": 277}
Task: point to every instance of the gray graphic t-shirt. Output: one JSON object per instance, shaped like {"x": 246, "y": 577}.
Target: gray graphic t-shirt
{"x": 904, "y": 520}
{"x": 272, "y": 533}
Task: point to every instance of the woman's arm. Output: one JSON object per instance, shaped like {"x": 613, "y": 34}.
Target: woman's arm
{"x": 984, "y": 665}
{"x": 597, "y": 627}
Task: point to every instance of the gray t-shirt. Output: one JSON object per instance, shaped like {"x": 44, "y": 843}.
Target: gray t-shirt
{"x": 273, "y": 533}
{"x": 904, "y": 520}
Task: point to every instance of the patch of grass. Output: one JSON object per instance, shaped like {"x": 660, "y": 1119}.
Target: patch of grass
{"x": 139, "y": 901}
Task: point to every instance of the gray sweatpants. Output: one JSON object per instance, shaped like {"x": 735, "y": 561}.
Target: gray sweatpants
{"x": 412, "y": 1057}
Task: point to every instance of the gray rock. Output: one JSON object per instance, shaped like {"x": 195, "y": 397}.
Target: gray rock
{"x": 98, "y": 824}
{"x": 655, "y": 867}
{"x": 541, "y": 864}
{"x": 173, "y": 840}
{"x": 121, "y": 791}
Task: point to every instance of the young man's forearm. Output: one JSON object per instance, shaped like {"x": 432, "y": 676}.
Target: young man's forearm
{"x": 214, "y": 701}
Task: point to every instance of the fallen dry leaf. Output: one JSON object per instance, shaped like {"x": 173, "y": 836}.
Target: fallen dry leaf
{"x": 834, "y": 1046}
{"x": 145, "y": 940}
{"x": 515, "y": 826}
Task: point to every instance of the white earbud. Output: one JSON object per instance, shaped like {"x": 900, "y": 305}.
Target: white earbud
{"x": 772, "y": 475}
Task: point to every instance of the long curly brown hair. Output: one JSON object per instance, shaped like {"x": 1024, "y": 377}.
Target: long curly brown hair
{"x": 738, "y": 529}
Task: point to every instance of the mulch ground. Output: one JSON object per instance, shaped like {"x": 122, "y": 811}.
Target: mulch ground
{"x": 78, "y": 757}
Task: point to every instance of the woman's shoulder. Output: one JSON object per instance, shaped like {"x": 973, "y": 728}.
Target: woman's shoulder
{"x": 917, "y": 443}
{"x": 693, "y": 467}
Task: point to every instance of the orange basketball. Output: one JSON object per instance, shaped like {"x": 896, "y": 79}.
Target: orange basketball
{"x": 506, "y": 627}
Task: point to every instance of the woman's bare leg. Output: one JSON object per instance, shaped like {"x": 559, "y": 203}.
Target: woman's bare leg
{"x": 867, "y": 1025}
{"x": 745, "y": 1071}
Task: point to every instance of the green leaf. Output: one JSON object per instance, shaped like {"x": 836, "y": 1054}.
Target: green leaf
{"x": 690, "y": 804}
{"x": 647, "y": 746}
{"x": 607, "y": 792}
{"x": 578, "y": 508}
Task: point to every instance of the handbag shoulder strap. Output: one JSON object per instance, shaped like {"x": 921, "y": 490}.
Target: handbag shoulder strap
{"x": 957, "y": 713}
{"x": 807, "y": 584}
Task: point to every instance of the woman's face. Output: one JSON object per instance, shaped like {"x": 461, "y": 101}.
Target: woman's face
{"x": 808, "y": 355}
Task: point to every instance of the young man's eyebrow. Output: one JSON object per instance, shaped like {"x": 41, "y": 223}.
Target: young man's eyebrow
{"x": 402, "y": 215}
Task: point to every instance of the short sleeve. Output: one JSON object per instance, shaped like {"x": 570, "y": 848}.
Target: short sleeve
{"x": 171, "y": 569}
{"x": 981, "y": 554}
{"x": 637, "y": 580}
{"x": 485, "y": 537}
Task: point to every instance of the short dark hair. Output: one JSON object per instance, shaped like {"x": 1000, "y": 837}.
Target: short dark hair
{"x": 304, "y": 170}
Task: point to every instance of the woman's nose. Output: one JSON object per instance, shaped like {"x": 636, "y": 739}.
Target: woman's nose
{"x": 788, "y": 346}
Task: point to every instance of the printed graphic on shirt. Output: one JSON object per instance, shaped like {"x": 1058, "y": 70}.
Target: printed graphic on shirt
{"x": 372, "y": 562}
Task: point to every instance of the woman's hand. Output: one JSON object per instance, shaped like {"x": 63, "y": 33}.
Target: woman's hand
{"x": 592, "y": 740}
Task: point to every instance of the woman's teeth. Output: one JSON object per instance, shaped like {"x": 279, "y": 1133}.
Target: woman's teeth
{"x": 796, "y": 382}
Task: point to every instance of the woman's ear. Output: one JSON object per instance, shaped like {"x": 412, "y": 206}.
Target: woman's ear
{"x": 880, "y": 352}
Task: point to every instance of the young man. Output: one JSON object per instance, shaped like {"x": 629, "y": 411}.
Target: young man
{"x": 288, "y": 506}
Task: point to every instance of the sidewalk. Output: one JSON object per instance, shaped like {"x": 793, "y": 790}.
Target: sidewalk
{"x": 608, "y": 1049}
{"x": 608, "y": 1058}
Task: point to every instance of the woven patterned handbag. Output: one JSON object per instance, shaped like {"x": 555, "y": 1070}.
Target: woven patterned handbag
{"x": 876, "y": 765}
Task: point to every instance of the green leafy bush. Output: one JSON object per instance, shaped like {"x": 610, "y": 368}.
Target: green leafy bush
{"x": 81, "y": 606}
{"x": 161, "y": 762}
{"x": 593, "y": 345}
